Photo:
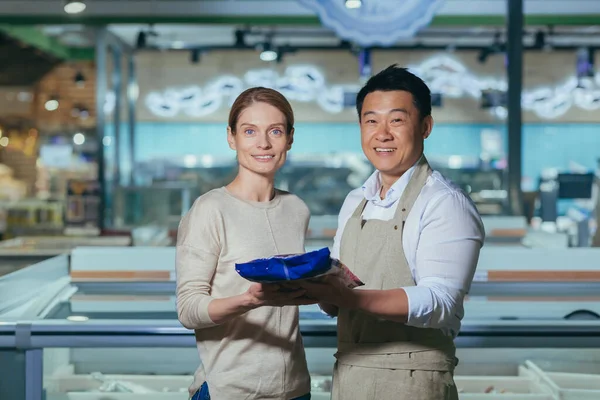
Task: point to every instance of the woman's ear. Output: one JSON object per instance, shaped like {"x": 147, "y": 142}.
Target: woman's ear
{"x": 290, "y": 139}
{"x": 231, "y": 138}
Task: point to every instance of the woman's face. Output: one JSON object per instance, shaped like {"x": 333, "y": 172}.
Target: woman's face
{"x": 260, "y": 139}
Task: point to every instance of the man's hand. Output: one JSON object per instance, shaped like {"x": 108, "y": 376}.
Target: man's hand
{"x": 329, "y": 289}
{"x": 270, "y": 294}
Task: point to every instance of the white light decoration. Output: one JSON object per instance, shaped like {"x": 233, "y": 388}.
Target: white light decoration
{"x": 332, "y": 99}
{"x": 371, "y": 23}
{"x": 261, "y": 77}
{"x": 306, "y": 83}
{"x": 4, "y": 141}
{"x": 447, "y": 76}
{"x": 205, "y": 105}
{"x": 300, "y": 82}
{"x": 106, "y": 141}
{"x": 228, "y": 86}
{"x": 303, "y": 83}
{"x": 161, "y": 106}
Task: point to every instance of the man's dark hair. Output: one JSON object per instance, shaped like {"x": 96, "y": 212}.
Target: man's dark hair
{"x": 396, "y": 78}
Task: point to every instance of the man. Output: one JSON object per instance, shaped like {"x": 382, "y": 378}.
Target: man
{"x": 414, "y": 239}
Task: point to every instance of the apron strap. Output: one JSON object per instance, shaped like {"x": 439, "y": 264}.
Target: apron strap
{"x": 359, "y": 210}
{"x": 413, "y": 189}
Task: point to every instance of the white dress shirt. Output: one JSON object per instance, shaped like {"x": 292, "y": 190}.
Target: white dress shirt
{"x": 442, "y": 238}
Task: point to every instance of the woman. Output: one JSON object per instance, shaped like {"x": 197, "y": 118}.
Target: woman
{"x": 249, "y": 345}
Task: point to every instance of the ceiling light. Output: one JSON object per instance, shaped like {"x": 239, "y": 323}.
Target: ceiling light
{"x": 52, "y": 104}
{"x": 178, "y": 44}
{"x": 74, "y": 6}
{"x": 79, "y": 139}
{"x": 268, "y": 55}
{"x": 79, "y": 79}
{"x": 353, "y": 3}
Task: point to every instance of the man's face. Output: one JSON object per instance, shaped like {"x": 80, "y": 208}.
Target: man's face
{"x": 392, "y": 132}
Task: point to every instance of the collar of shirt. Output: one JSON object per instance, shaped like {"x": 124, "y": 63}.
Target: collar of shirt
{"x": 372, "y": 188}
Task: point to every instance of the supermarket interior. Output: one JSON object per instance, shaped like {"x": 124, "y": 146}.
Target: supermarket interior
{"x": 113, "y": 120}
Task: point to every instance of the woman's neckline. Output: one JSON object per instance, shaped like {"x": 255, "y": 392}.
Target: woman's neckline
{"x": 258, "y": 204}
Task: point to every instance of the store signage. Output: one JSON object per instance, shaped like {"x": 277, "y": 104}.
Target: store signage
{"x": 375, "y": 22}
{"x": 306, "y": 83}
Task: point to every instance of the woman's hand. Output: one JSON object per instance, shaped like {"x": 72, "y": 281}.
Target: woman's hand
{"x": 271, "y": 294}
{"x": 257, "y": 295}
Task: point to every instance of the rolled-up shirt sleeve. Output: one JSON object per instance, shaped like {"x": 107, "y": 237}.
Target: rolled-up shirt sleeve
{"x": 197, "y": 255}
{"x": 451, "y": 237}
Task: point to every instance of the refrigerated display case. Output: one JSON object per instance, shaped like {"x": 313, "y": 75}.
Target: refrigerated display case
{"x": 20, "y": 252}
{"x": 103, "y": 322}
{"x": 165, "y": 189}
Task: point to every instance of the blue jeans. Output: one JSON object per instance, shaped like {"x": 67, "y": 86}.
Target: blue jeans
{"x": 203, "y": 394}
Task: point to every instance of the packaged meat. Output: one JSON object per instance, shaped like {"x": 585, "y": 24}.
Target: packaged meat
{"x": 350, "y": 280}
{"x": 294, "y": 267}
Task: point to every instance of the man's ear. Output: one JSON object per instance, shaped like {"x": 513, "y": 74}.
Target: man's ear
{"x": 290, "y": 139}
{"x": 427, "y": 126}
{"x": 230, "y": 138}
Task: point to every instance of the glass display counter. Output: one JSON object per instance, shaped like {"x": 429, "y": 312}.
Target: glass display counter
{"x": 102, "y": 325}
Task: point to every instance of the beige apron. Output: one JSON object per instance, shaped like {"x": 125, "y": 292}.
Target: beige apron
{"x": 379, "y": 359}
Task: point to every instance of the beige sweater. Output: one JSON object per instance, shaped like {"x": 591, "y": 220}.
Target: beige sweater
{"x": 260, "y": 354}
